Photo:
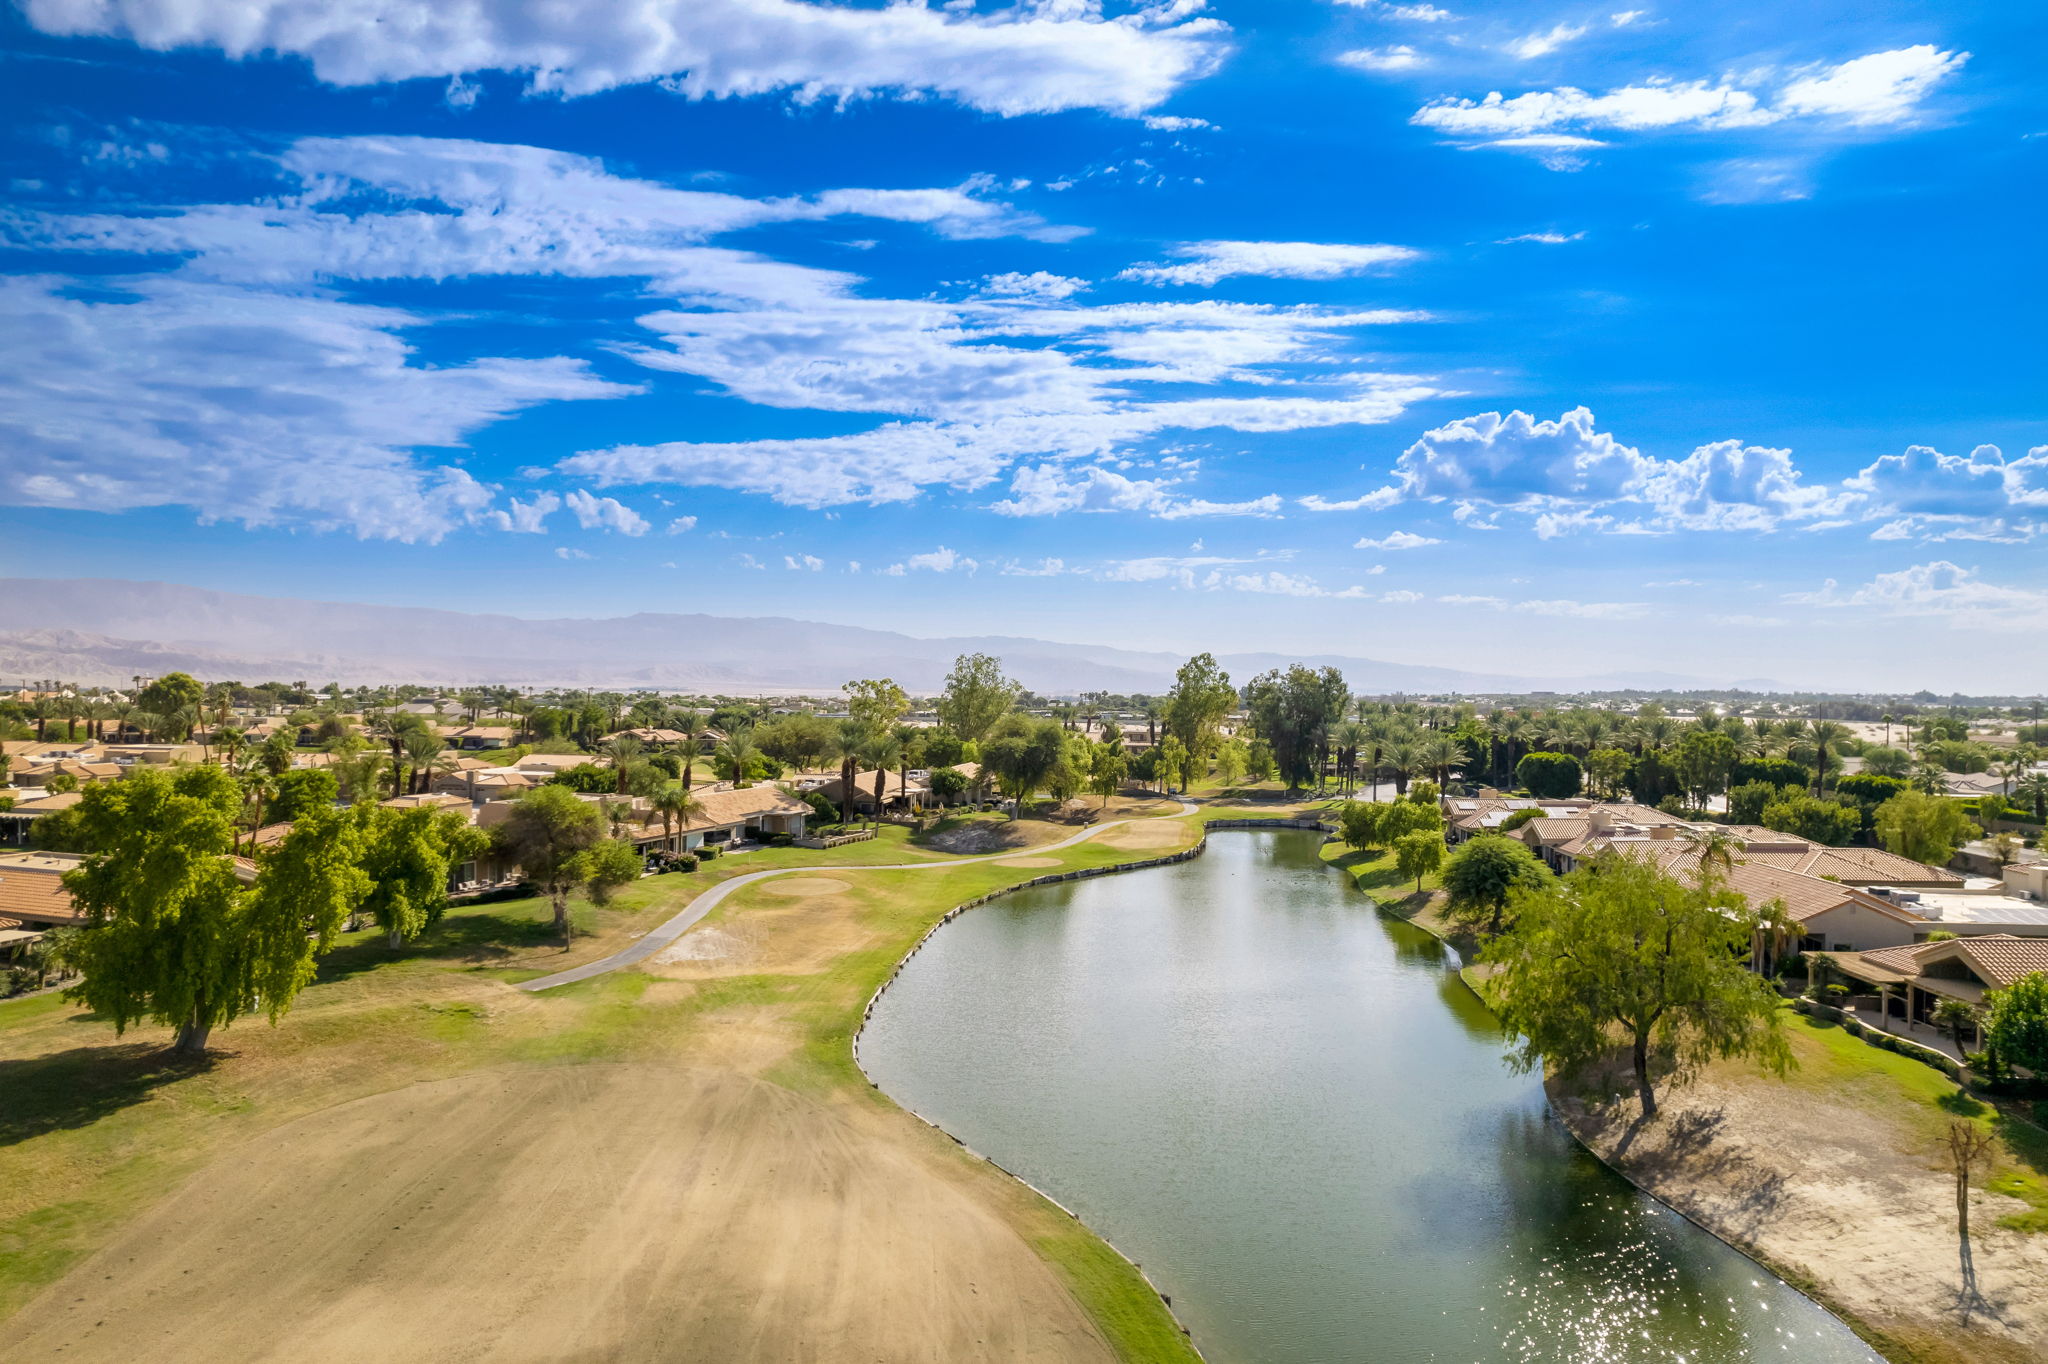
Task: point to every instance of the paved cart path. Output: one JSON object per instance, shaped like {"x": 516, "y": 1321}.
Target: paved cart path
{"x": 661, "y": 936}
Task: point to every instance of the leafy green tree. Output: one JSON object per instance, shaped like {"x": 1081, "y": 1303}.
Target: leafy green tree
{"x": 1294, "y": 711}
{"x": 1359, "y": 823}
{"x": 1653, "y": 779}
{"x": 1173, "y": 764}
{"x": 1925, "y": 828}
{"x": 976, "y": 696}
{"x": 876, "y": 703}
{"x": 2016, "y": 1027}
{"x": 408, "y": 855}
{"x": 175, "y": 938}
{"x": 1418, "y": 854}
{"x": 1231, "y": 762}
{"x": 1776, "y": 771}
{"x": 1485, "y": 872}
{"x": 293, "y": 794}
{"x": 1517, "y": 819}
{"x": 944, "y": 748}
{"x": 1196, "y": 707}
{"x": 1868, "y": 788}
{"x": 1821, "y": 821}
{"x": 546, "y": 834}
{"x": 1258, "y": 760}
{"x": 170, "y": 696}
{"x": 1406, "y": 817}
{"x": 1885, "y": 761}
{"x": 948, "y": 784}
{"x": 608, "y": 866}
{"x": 1703, "y": 760}
{"x": 60, "y": 784}
{"x": 1953, "y": 1016}
{"x": 1746, "y": 802}
{"x": 1107, "y": 767}
{"x": 1020, "y": 753}
{"x": 1549, "y": 776}
{"x": 588, "y": 778}
{"x": 1608, "y": 769}
{"x": 1619, "y": 951}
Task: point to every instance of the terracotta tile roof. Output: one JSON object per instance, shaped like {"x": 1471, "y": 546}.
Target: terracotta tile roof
{"x": 43, "y": 805}
{"x": 1858, "y": 866}
{"x": 32, "y": 888}
{"x": 1803, "y": 896}
{"x": 1997, "y": 959}
{"x": 722, "y": 808}
{"x": 2001, "y": 958}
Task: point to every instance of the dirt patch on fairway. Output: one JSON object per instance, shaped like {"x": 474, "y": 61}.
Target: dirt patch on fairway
{"x": 758, "y": 933}
{"x": 1849, "y": 1197}
{"x": 1029, "y": 862}
{"x": 1161, "y": 833}
{"x": 982, "y": 836}
{"x": 598, "y": 1212}
{"x": 797, "y": 887}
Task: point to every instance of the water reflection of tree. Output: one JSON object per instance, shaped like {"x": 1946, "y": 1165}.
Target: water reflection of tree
{"x": 1599, "y": 1271}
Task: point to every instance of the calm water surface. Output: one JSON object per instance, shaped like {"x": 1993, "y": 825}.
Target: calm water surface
{"x": 1293, "y": 1114}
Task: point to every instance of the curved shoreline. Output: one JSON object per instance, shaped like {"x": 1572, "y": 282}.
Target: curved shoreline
{"x": 1187, "y": 854}
{"x": 1803, "y": 1284}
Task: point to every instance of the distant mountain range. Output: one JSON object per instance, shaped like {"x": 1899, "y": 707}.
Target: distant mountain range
{"x": 104, "y": 631}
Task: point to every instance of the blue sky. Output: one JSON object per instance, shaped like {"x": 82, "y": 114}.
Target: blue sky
{"x": 1544, "y": 338}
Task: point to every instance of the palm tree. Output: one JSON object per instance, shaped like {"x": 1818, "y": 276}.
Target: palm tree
{"x": 259, "y": 786}
{"x": 1402, "y": 757}
{"x": 881, "y": 752}
{"x": 677, "y": 807}
{"x": 42, "y": 710}
{"x": 1716, "y": 848}
{"x": 2034, "y": 788}
{"x": 689, "y": 724}
{"x": 422, "y": 747}
{"x": 1952, "y": 1016}
{"x": 737, "y": 752}
{"x": 1887, "y": 729}
{"x": 1438, "y": 755}
{"x": 620, "y": 750}
{"x": 1351, "y": 737}
{"x": 1823, "y": 733}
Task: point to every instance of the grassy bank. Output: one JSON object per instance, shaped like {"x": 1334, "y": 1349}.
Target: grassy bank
{"x": 97, "y": 1129}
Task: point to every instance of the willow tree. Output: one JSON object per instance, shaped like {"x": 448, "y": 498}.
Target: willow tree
{"x": 175, "y": 936}
{"x": 1618, "y": 953}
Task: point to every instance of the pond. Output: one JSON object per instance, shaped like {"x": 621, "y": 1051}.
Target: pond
{"x": 1294, "y": 1115}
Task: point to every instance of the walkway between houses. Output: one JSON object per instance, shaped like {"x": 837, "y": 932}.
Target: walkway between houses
{"x": 662, "y": 935}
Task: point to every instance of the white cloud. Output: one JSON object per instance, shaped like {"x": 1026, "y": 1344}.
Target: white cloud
{"x": 605, "y": 513}
{"x": 803, "y": 563}
{"x": 940, "y": 560}
{"x": 1040, "y": 286}
{"x": 1209, "y": 262}
{"x": 1883, "y": 87}
{"x": 1044, "y": 568}
{"x": 1178, "y": 569}
{"x": 526, "y": 518}
{"x": 1877, "y": 89}
{"x": 1399, "y": 57}
{"x": 1535, "y": 45}
{"x": 682, "y": 525}
{"x": 264, "y": 408}
{"x": 1048, "y": 489}
{"x": 1378, "y": 500}
{"x": 564, "y": 552}
{"x": 1568, "y": 476}
{"x": 1939, "y": 589}
{"x": 1930, "y": 495}
{"x": 1624, "y": 18}
{"x": 1564, "y": 608}
{"x": 1542, "y": 238}
{"x": 1029, "y": 59}
{"x": 1414, "y": 14}
{"x": 1175, "y": 123}
{"x": 1400, "y": 539}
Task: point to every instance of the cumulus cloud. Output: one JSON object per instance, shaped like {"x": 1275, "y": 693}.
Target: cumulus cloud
{"x": 803, "y": 563}
{"x": 605, "y": 513}
{"x": 1567, "y": 476}
{"x": 940, "y": 560}
{"x": 1879, "y": 89}
{"x": 258, "y": 407}
{"x": 1040, "y": 286}
{"x": 1534, "y": 45}
{"x": 565, "y": 552}
{"x": 527, "y": 518}
{"x": 1930, "y": 495}
{"x": 1048, "y": 489}
{"x": 1031, "y": 58}
{"x": 1210, "y": 262}
{"x": 682, "y": 525}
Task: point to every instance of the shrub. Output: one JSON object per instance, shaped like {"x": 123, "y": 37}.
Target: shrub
{"x": 1821, "y": 821}
{"x": 778, "y": 840}
{"x": 707, "y": 851}
{"x": 1518, "y": 819}
{"x": 1836, "y": 995}
{"x": 683, "y": 862}
{"x": 1550, "y": 776}
{"x": 1776, "y": 771}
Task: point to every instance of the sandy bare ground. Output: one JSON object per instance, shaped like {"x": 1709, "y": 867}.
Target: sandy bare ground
{"x": 593, "y": 1212}
{"x": 1851, "y": 1199}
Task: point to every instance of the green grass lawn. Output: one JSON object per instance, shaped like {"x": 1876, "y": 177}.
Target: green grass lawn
{"x": 1832, "y": 1061}
{"x": 93, "y": 1128}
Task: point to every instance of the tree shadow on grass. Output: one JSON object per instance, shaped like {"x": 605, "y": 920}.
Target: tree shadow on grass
{"x": 78, "y": 1087}
{"x": 476, "y": 939}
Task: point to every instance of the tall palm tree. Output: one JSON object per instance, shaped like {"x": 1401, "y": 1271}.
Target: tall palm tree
{"x": 690, "y": 724}
{"x": 1824, "y": 733}
{"x": 2034, "y": 788}
{"x": 620, "y": 750}
{"x": 1401, "y": 756}
{"x": 1438, "y": 755}
{"x": 422, "y": 747}
{"x": 677, "y": 807}
{"x": 881, "y": 752}
{"x": 1351, "y": 737}
{"x": 736, "y": 754}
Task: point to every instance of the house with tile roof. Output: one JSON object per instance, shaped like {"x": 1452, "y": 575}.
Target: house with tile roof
{"x": 1910, "y": 982}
